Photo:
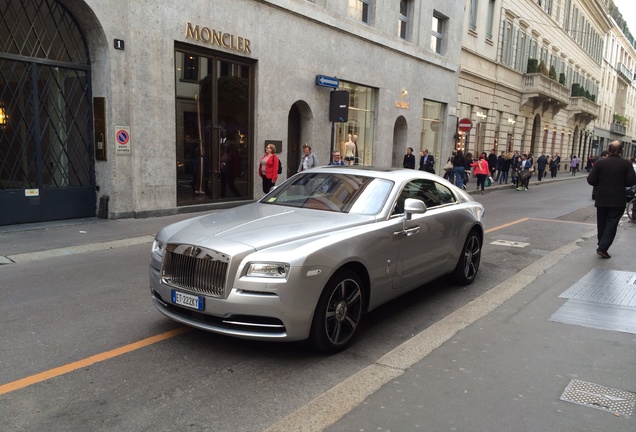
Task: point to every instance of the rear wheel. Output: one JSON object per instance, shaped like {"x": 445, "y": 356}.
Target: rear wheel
{"x": 338, "y": 313}
{"x": 468, "y": 264}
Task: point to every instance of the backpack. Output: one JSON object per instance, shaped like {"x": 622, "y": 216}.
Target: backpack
{"x": 280, "y": 166}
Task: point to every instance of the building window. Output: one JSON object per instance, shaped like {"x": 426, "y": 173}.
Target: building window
{"x": 437, "y": 32}
{"x": 490, "y": 18}
{"x": 473, "y": 15}
{"x": 506, "y": 44}
{"x": 432, "y": 129}
{"x": 190, "y": 67}
{"x": 359, "y": 9}
{"x": 360, "y": 125}
{"x": 403, "y": 21}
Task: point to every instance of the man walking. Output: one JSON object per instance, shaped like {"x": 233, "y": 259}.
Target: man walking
{"x": 541, "y": 164}
{"x": 610, "y": 176}
{"x": 427, "y": 162}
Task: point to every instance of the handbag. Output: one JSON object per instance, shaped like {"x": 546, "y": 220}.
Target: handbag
{"x": 448, "y": 166}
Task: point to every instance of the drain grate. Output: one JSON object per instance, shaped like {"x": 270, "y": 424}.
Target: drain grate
{"x": 619, "y": 402}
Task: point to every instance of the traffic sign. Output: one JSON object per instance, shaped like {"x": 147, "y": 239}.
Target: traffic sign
{"x": 124, "y": 142}
{"x": 326, "y": 81}
{"x": 465, "y": 125}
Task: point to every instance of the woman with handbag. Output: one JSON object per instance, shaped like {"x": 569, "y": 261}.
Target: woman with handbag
{"x": 482, "y": 171}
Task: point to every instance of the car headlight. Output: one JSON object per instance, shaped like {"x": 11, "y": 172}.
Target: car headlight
{"x": 268, "y": 270}
{"x": 158, "y": 247}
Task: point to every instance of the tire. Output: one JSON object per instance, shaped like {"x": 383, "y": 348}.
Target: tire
{"x": 468, "y": 264}
{"x": 631, "y": 210}
{"x": 338, "y": 312}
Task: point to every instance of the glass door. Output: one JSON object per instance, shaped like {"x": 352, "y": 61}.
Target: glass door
{"x": 213, "y": 145}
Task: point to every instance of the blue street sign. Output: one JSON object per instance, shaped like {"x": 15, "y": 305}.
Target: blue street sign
{"x": 326, "y": 81}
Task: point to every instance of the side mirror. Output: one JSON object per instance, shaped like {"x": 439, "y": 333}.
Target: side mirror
{"x": 413, "y": 206}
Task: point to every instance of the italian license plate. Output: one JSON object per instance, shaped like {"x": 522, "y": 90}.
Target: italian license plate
{"x": 188, "y": 300}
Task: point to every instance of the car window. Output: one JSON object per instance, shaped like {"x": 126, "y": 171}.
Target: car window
{"x": 343, "y": 193}
{"x": 432, "y": 193}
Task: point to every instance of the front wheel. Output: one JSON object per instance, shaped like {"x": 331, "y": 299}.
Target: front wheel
{"x": 631, "y": 210}
{"x": 468, "y": 264}
{"x": 338, "y": 313}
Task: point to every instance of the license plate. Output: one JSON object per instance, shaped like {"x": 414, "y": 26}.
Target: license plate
{"x": 188, "y": 300}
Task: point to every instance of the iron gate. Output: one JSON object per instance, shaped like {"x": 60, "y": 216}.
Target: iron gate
{"x": 47, "y": 169}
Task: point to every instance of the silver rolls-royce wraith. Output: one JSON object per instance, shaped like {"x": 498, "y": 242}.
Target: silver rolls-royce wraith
{"x": 310, "y": 258}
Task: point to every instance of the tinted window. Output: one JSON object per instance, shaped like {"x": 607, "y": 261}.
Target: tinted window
{"x": 432, "y": 193}
{"x": 344, "y": 193}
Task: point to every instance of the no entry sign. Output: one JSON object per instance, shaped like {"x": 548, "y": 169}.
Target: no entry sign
{"x": 465, "y": 125}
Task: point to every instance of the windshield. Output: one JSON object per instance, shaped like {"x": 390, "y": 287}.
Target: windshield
{"x": 342, "y": 193}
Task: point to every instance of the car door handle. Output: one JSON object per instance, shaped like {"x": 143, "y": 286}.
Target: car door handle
{"x": 408, "y": 231}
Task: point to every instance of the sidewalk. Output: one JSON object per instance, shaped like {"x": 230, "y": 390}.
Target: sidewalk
{"x": 509, "y": 369}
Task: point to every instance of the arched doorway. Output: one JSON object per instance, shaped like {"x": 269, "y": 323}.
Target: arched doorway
{"x": 400, "y": 129}
{"x": 535, "y": 140}
{"x": 298, "y": 127}
{"x": 47, "y": 170}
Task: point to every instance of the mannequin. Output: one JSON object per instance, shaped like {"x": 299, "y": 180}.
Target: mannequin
{"x": 350, "y": 149}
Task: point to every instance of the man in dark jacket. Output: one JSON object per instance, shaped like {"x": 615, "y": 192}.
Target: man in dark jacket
{"x": 492, "y": 163}
{"x": 610, "y": 176}
{"x": 541, "y": 164}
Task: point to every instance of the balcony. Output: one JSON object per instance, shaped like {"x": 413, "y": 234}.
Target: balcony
{"x": 583, "y": 110}
{"x": 545, "y": 93}
{"x": 618, "y": 129}
{"x": 625, "y": 73}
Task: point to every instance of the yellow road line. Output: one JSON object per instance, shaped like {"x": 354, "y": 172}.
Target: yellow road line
{"x": 536, "y": 219}
{"x": 506, "y": 225}
{"x": 564, "y": 221}
{"x": 61, "y": 370}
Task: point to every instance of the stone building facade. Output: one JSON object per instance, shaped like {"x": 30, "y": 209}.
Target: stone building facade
{"x": 506, "y": 46}
{"x": 130, "y": 109}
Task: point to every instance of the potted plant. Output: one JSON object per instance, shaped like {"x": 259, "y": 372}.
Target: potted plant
{"x": 562, "y": 78}
{"x": 543, "y": 69}
{"x": 552, "y": 74}
{"x": 533, "y": 64}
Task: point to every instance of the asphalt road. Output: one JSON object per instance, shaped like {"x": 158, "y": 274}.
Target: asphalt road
{"x": 84, "y": 349}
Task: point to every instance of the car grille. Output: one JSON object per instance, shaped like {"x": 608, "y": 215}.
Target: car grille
{"x": 195, "y": 269}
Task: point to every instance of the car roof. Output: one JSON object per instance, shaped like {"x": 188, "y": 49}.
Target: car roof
{"x": 389, "y": 173}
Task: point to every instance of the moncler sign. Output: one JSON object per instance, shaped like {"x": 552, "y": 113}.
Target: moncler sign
{"x": 218, "y": 38}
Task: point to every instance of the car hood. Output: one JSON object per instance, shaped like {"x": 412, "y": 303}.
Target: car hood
{"x": 261, "y": 225}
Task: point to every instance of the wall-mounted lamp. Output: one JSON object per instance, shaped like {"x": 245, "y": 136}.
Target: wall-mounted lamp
{"x": 3, "y": 117}
{"x": 545, "y": 128}
{"x": 481, "y": 115}
{"x": 511, "y": 121}
{"x": 404, "y": 92}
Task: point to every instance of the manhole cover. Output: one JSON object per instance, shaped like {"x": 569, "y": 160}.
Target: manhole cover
{"x": 608, "y": 399}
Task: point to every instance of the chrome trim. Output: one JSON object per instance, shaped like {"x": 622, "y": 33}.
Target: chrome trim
{"x": 195, "y": 269}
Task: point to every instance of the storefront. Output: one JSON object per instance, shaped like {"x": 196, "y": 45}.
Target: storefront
{"x": 105, "y": 115}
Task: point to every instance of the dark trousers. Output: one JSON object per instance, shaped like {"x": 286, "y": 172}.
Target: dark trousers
{"x": 607, "y": 219}
{"x": 481, "y": 180}
{"x": 267, "y": 184}
{"x": 227, "y": 181}
{"x": 540, "y": 173}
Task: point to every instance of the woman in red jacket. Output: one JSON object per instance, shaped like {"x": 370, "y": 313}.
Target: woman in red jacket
{"x": 481, "y": 171}
{"x": 268, "y": 167}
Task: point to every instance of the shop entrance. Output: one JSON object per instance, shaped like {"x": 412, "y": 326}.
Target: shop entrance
{"x": 214, "y": 142}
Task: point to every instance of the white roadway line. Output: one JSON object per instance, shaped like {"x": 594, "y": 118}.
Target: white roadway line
{"x": 335, "y": 403}
{"x": 72, "y": 250}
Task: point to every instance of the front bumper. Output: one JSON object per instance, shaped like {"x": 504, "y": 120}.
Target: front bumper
{"x": 273, "y": 311}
